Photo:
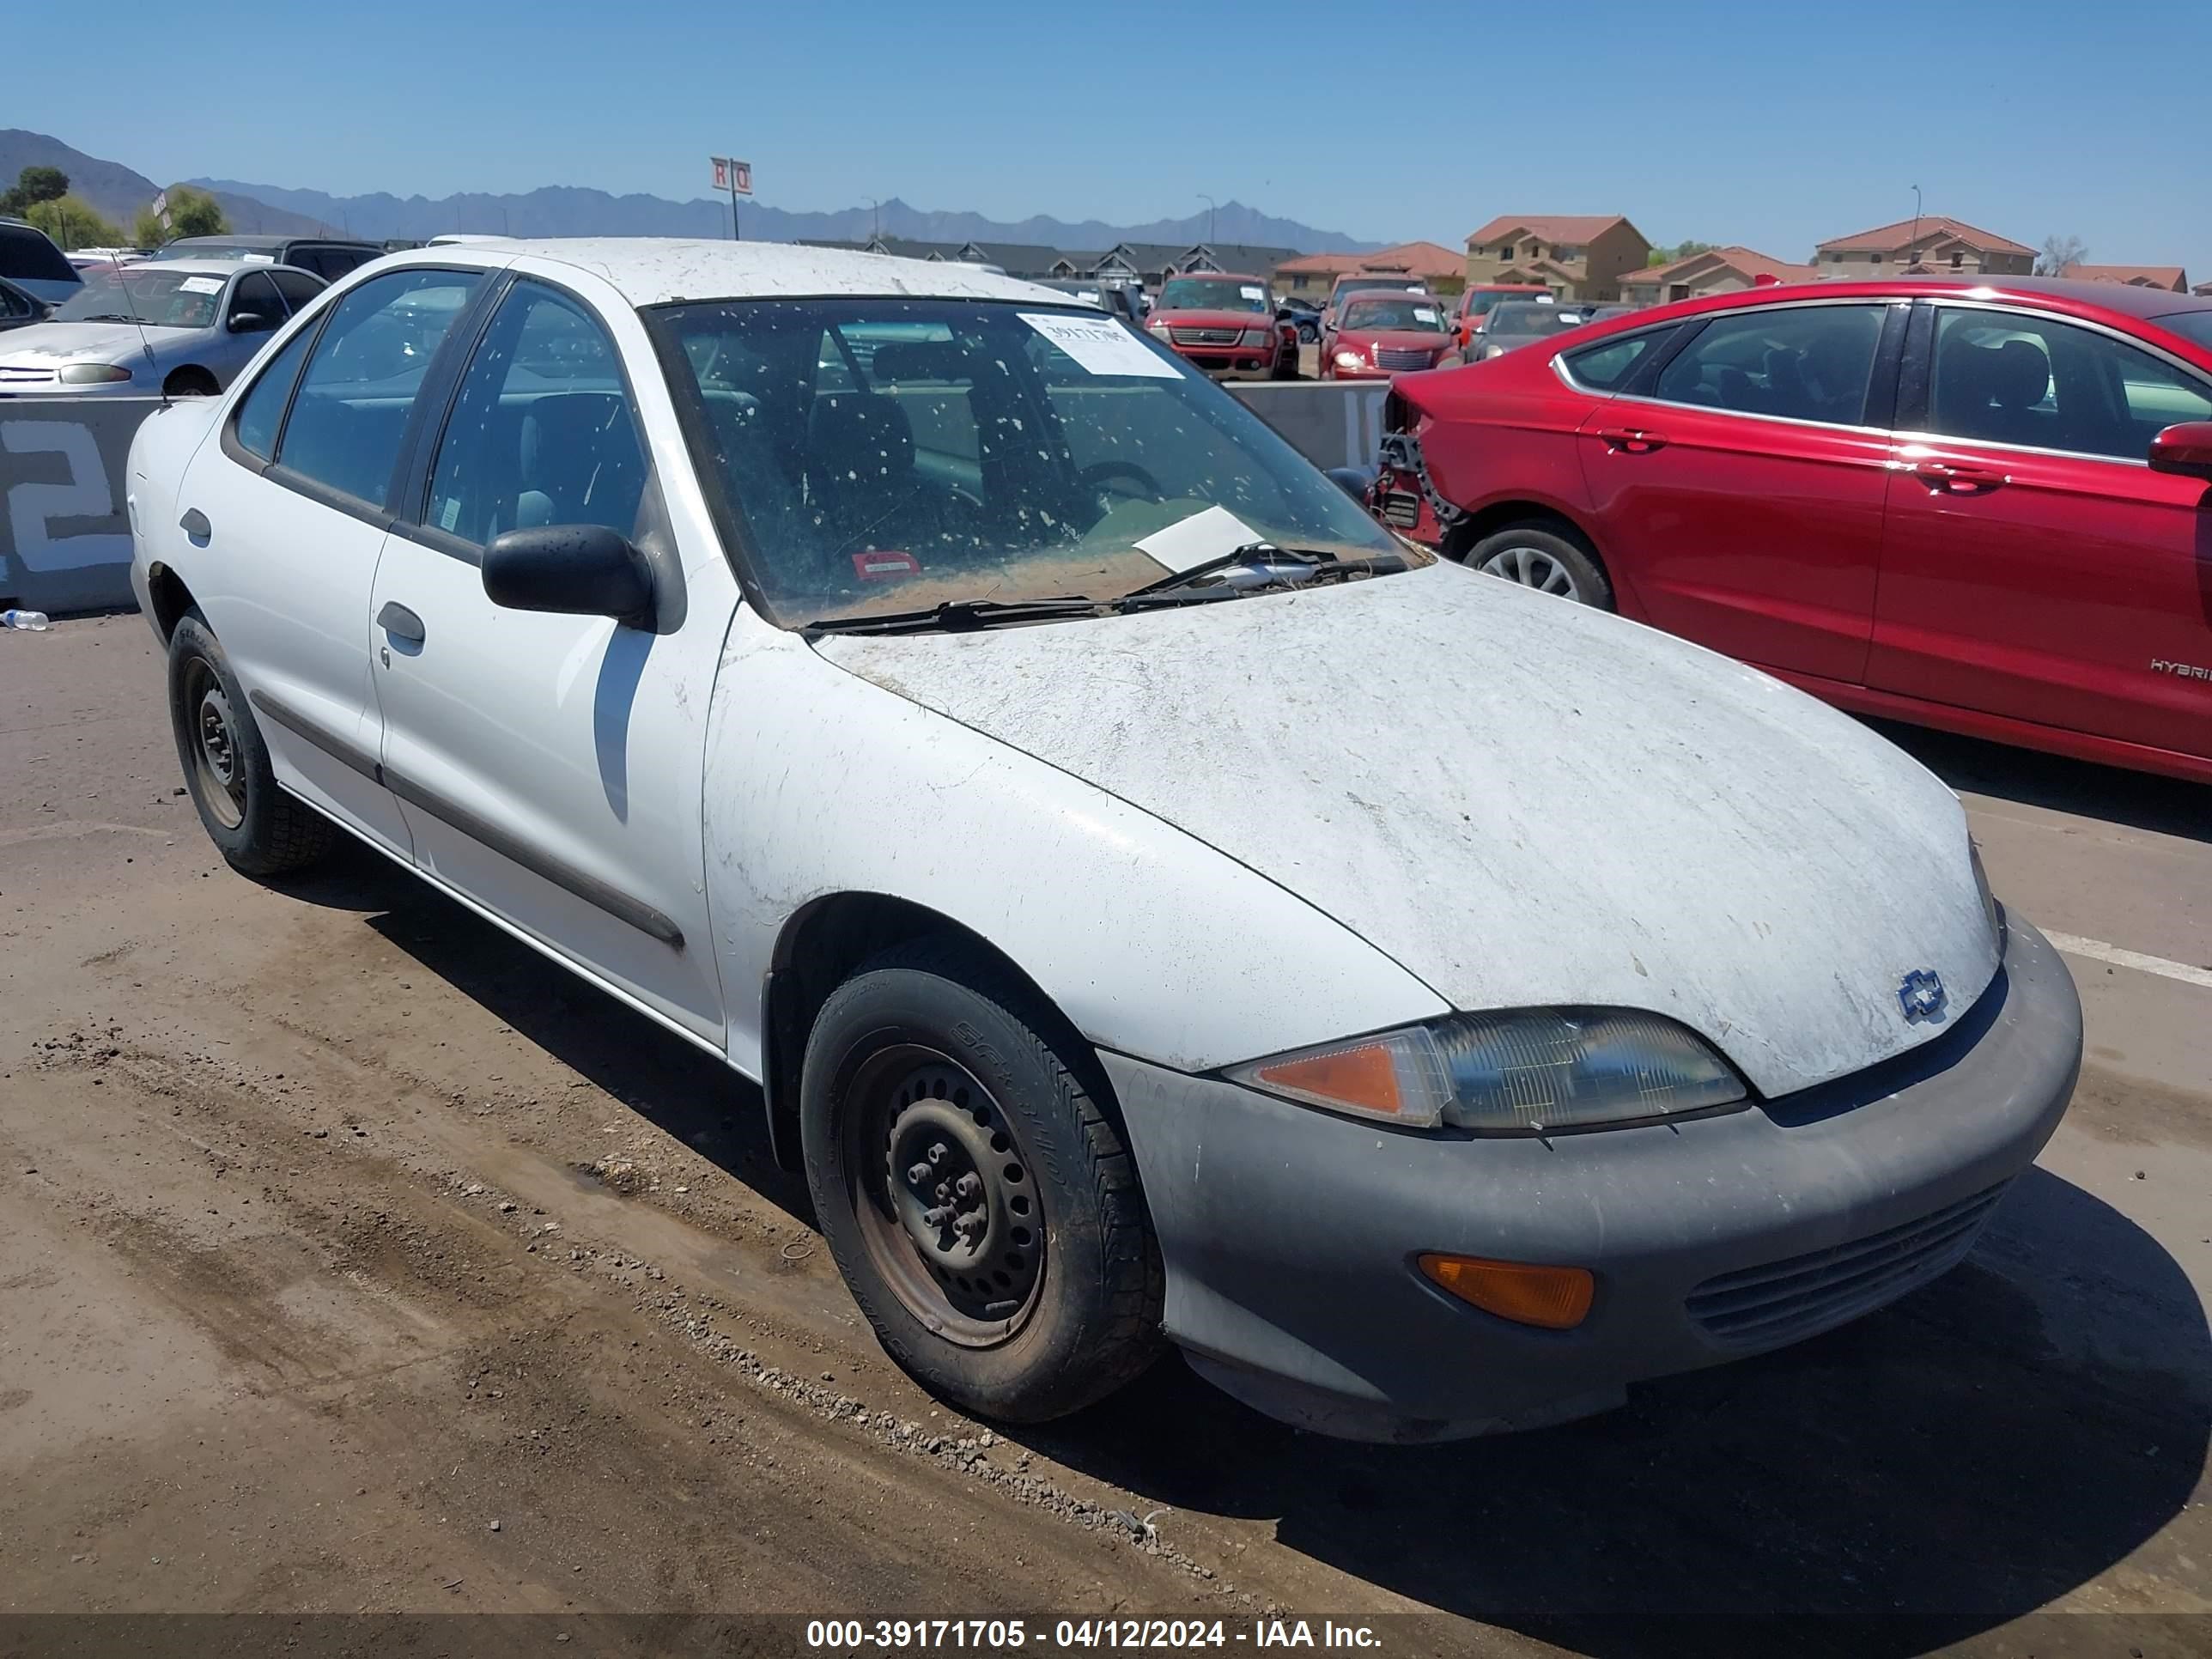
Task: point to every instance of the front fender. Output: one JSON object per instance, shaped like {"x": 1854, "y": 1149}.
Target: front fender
{"x": 1149, "y": 941}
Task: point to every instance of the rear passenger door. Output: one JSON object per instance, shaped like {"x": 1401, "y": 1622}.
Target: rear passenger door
{"x": 287, "y": 513}
{"x": 2035, "y": 566}
{"x": 549, "y": 766}
{"x": 1739, "y": 494}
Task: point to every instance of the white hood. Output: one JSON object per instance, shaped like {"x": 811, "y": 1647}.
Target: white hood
{"x": 1523, "y": 801}
{"x": 49, "y": 345}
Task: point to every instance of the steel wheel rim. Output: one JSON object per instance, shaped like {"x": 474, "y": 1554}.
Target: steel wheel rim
{"x": 947, "y": 1208}
{"x": 219, "y": 768}
{"x": 1532, "y": 566}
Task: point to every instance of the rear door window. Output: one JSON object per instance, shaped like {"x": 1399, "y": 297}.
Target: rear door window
{"x": 26, "y": 252}
{"x": 254, "y": 295}
{"x": 370, "y": 358}
{"x": 1794, "y": 362}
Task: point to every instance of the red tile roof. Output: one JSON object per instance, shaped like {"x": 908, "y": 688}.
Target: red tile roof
{"x": 2171, "y": 276}
{"x": 1414, "y": 259}
{"x": 1549, "y": 227}
{"x": 1750, "y": 262}
{"x": 1887, "y": 239}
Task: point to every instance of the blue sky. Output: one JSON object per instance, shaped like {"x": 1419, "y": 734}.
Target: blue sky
{"x": 1773, "y": 124}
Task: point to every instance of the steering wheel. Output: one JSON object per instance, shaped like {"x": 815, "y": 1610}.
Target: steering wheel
{"x": 1096, "y": 476}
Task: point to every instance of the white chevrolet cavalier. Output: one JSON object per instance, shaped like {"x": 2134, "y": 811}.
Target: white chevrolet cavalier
{"x": 1156, "y": 903}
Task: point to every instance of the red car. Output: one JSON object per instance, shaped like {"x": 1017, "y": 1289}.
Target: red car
{"x": 1381, "y": 334}
{"x": 1985, "y": 506}
{"x": 1227, "y": 326}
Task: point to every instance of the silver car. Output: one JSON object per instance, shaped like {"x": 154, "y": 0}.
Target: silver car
{"x": 184, "y": 327}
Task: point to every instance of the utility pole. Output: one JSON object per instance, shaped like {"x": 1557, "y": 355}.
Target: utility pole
{"x": 1914, "y": 247}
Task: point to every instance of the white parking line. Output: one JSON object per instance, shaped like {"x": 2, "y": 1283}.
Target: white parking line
{"x": 2097, "y": 951}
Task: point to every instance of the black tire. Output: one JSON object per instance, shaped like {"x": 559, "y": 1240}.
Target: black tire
{"x": 258, "y": 829}
{"x": 1574, "y": 571}
{"x": 190, "y": 382}
{"x": 1064, "y": 1305}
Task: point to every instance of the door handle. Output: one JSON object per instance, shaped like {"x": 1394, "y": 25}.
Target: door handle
{"x": 396, "y": 620}
{"x": 195, "y": 525}
{"x": 1950, "y": 478}
{"x": 1631, "y": 440}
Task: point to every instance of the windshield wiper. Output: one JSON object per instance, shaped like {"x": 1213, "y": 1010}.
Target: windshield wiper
{"x": 1316, "y": 565}
{"x": 961, "y": 616}
{"x": 97, "y": 317}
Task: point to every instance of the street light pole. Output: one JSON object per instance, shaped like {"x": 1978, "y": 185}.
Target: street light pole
{"x": 1915, "y": 246}
{"x": 1210, "y": 211}
{"x": 875, "y": 219}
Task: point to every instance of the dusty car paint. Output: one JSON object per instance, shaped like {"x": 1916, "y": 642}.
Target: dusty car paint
{"x": 1603, "y": 814}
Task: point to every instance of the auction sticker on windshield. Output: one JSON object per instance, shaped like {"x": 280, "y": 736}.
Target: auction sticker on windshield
{"x": 1101, "y": 345}
{"x": 1202, "y": 536}
{"x": 201, "y": 285}
{"x": 1251, "y": 293}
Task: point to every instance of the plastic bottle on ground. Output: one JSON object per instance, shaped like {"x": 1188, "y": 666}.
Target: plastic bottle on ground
{"x": 31, "y": 620}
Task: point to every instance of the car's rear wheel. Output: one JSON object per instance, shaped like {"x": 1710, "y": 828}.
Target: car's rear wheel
{"x": 258, "y": 827}
{"x": 980, "y": 1206}
{"x": 1547, "y": 556}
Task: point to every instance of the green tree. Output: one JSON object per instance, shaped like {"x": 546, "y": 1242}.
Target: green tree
{"x": 1667, "y": 256}
{"x": 33, "y": 185}
{"x": 195, "y": 213}
{"x": 74, "y": 222}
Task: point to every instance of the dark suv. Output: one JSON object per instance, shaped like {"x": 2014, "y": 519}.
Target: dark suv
{"x": 327, "y": 256}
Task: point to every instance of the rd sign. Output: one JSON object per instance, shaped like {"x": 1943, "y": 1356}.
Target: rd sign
{"x": 735, "y": 177}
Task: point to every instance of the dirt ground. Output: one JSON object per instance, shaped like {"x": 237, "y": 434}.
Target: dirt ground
{"x": 356, "y": 1260}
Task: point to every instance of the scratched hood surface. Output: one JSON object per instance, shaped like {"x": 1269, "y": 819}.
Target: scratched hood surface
{"x": 1522, "y": 800}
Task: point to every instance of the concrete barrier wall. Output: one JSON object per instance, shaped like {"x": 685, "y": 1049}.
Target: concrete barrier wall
{"x": 64, "y": 536}
{"x": 65, "y": 540}
{"x": 1330, "y": 423}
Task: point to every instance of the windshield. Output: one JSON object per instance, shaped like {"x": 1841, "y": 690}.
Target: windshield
{"x": 1528, "y": 321}
{"x": 159, "y": 298}
{"x": 1420, "y": 316}
{"x": 2195, "y": 327}
{"x": 1376, "y": 285}
{"x": 1481, "y": 305}
{"x": 876, "y": 455}
{"x": 1211, "y": 293}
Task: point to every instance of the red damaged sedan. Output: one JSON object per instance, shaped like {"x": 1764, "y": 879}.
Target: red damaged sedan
{"x": 1379, "y": 334}
{"x": 1985, "y": 506}
{"x": 1226, "y": 325}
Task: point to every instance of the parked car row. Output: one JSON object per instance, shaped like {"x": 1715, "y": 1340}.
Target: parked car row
{"x": 1461, "y": 1124}
{"x": 1981, "y": 504}
{"x": 1229, "y": 325}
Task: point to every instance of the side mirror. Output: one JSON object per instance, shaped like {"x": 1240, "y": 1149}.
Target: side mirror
{"x": 1354, "y": 481}
{"x": 2185, "y": 448}
{"x": 575, "y": 569}
{"x": 251, "y": 322}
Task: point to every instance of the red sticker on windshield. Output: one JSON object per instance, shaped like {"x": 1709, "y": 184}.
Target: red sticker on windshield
{"x": 885, "y": 565}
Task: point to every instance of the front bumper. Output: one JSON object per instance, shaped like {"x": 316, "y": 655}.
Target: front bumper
{"x": 1289, "y": 1233}
{"x": 1230, "y": 363}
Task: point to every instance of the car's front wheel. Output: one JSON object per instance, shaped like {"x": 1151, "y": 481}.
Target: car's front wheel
{"x": 982, "y": 1208}
{"x": 1552, "y": 558}
{"x": 261, "y": 830}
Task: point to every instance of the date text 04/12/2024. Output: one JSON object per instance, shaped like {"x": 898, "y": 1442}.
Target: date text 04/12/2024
{"x": 998, "y": 1635}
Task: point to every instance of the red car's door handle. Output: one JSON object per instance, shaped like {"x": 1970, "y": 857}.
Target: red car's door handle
{"x": 1952, "y": 479}
{"x": 1631, "y": 440}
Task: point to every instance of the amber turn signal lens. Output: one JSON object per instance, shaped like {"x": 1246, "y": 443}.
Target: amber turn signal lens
{"x": 1551, "y": 1298}
{"x": 1365, "y": 1077}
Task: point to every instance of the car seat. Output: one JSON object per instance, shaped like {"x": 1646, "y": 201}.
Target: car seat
{"x": 580, "y": 462}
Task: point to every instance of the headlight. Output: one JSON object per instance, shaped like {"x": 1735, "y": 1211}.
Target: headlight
{"x": 1255, "y": 336}
{"x": 1526, "y": 1072}
{"x": 1350, "y": 360}
{"x": 1992, "y": 911}
{"x": 1158, "y": 326}
{"x": 92, "y": 374}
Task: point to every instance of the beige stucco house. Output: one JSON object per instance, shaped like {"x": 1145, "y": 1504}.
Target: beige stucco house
{"x": 1577, "y": 257}
{"x": 1934, "y": 245}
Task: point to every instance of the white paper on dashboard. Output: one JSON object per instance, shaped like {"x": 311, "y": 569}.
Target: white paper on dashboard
{"x": 1101, "y": 345}
{"x": 1201, "y": 537}
{"x": 201, "y": 285}
{"x": 1251, "y": 293}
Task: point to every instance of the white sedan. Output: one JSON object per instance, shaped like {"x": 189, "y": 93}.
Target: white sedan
{"x": 179, "y": 327}
{"x": 951, "y": 710}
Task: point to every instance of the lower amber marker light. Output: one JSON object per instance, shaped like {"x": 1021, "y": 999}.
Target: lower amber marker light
{"x": 1550, "y": 1299}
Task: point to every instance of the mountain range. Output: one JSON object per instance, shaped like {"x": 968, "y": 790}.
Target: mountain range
{"x": 570, "y": 210}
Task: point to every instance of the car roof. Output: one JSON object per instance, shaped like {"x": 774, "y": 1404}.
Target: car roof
{"x": 2061, "y": 293}
{"x": 196, "y": 267}
{"x": 1212, "y": 276}
{"x": 259, "y": 242}
{"x": 652, "y": 270}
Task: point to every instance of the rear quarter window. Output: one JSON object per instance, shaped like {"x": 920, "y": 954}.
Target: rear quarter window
{"x": 1607, "y": 366}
